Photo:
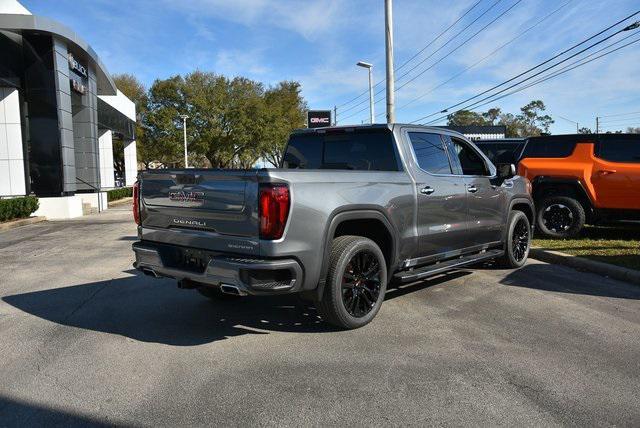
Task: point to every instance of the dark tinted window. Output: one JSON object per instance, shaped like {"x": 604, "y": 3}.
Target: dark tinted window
{"x": 470, "y": 161}
{"x": 368, "y": 150}
{"x": 501, "y": 152}
{"x": 620, "y": 149}
{"x": 549, "y": 148}
{"x": 430, "y": 152}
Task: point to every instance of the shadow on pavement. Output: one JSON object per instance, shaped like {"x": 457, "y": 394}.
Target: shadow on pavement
{"x": 154, "y": 310}
{"x": 19, "y": 413}
{"x": 549, "y": 277}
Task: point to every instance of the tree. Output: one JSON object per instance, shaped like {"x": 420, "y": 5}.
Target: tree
{"x": 633, "y": 130}
{"x": 534, "y": 122}
{"x": 465, "y": 118}
{"x": 492, "y": 115}
{"x": 584, "y": 130}
{"x": 164, "y": 125}
{"x": 133, "y": 89}
{"x": 285, "y": 111}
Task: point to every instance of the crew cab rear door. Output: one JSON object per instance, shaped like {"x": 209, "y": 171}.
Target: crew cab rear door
{"x": 486, "y": 199}
{"x": 441, "y": 197}
{"x": 616, "y": 172}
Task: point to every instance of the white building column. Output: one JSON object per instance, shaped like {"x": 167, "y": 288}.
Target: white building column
{"x": 105, "y": 151}
{"x": 130, "y": 163}
{"x": 12, "y": 181}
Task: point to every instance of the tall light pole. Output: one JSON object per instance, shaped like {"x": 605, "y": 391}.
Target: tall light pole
{"x": 388, "y": 38}
{"x": 369, "y": 67}
{"x": 184, "y": 130}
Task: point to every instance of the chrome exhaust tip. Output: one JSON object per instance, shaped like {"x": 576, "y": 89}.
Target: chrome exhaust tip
{"x": 232, "y": 289}
{"x": 150, "y": 272}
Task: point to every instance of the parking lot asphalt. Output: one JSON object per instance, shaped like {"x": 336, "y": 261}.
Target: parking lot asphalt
{"x": 84, "y": 339}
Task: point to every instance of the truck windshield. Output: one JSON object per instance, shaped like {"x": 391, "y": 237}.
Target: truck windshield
{"x": 367, "y": 150}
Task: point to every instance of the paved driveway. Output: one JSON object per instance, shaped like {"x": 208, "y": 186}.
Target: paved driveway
{"x": 84, "y": 339}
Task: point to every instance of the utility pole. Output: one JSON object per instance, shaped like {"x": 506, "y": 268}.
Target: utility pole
{"x": 184, "y": 130}
{"x": 335, "y": 115}
{"x": 597, "y": 125}
{"x": 388, "y": 37}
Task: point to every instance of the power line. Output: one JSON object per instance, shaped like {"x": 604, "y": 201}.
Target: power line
{"x": 451, "y": 39}
{"x": 543, "y": 79}
{"x": 442, "y": 58}
{"x": 419, "y": 52}
{"x": 486, "y": 57}
{"x": 540, "y": 65}
{"x": 621, "y": 114}
{"x": 434, "y": 52}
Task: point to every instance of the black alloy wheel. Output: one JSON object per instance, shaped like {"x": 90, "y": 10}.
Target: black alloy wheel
{"x": 520, "y": 239}
{"x": 361, "y": 284}
{"x": 557, "y": 218}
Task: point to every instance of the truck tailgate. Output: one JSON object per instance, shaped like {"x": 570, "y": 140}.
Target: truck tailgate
{"x": 201, "y": 204}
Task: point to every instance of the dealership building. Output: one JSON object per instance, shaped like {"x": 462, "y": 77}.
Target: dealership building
{"x": 59, "y": 113}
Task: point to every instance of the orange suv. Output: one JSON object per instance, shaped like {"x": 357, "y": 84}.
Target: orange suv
{"x": 580, "y": 179}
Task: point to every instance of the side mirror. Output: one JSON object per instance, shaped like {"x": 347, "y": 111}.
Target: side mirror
{"x": 506, "y": 170}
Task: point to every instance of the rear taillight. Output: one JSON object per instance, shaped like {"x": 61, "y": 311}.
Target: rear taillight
{"x": 274, "y": 210}
{"x": 136, "y": 202}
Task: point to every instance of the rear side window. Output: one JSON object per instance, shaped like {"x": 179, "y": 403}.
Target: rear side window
{"x": 430, "y": 152}
{"x": 368, "y": 150}
{"x": 620, "y": 149}
{"x": 548, "y": 148}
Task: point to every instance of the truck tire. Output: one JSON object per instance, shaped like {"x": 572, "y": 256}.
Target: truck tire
{"x": 560, "y": 217}
{"x": 356, "y": 282}
{"x": 518, "y": 241}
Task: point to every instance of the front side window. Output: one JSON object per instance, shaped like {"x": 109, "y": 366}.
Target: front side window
{"x": 470, "y": 161}
{"x": 623, "y": 149}
{"x": 430, "y": 152}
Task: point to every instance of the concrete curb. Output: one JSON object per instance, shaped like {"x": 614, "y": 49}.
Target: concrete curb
{"x": 21, "y": 222}
{"x": 120, "y": 202}
{"x": 604, "y": 269}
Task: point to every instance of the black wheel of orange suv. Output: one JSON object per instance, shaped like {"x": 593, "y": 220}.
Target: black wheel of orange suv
{"x": 356, "y": 282}
{"x": 559, "y": 217}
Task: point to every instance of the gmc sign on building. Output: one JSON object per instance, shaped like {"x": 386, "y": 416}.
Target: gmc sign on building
{"x": 318, "y": 118}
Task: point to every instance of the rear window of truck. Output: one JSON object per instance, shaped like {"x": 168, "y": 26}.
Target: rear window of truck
{"x": 367, "y": 150}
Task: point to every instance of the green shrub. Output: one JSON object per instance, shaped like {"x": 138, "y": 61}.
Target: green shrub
{"x": 18, "y": 207}
{"x": 122, "y": 192}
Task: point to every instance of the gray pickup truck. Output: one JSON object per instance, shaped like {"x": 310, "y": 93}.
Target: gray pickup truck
{"x": 351, "y": 210}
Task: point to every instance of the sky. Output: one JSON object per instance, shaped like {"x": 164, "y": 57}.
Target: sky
{"x": 319, "y": 42}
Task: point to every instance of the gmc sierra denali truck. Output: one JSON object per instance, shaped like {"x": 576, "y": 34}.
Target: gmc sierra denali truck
{"x": 350, "y": 210}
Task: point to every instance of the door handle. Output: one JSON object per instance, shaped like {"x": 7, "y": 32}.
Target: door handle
{"x": 606, "y": 171}
{"x": 472, "y": 189}
{"x": 427, "y": 190}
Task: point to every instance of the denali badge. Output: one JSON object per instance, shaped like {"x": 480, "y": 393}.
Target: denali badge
{"x": 184, "y": 222}
{"x": 197, "y": 197}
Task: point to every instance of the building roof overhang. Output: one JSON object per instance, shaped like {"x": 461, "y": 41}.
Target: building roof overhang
{"x": 21, "y": 23}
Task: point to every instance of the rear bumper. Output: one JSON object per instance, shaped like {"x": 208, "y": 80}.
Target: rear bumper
{"x": 251, "y": 275}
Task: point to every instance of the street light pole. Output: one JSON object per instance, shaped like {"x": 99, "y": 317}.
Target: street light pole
{"x": 369, "y": 67}
{"x": 388, "y": 38}
{"x": 184, "y": 130}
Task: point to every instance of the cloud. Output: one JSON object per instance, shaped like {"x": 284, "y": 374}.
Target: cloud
{"x": 310, "y": 19}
